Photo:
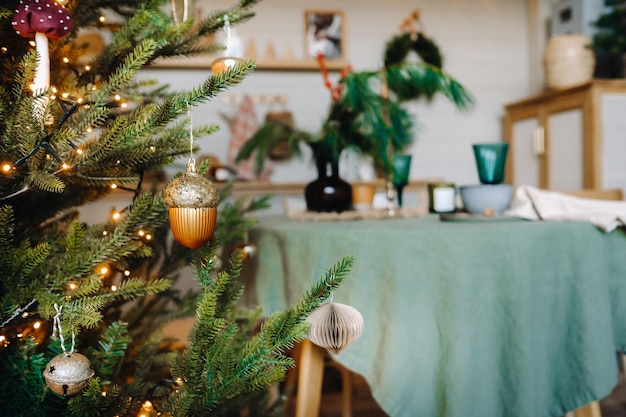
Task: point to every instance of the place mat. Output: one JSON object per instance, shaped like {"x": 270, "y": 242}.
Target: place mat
{"x": 373, "y": 214}
{"x": 467, "y": 217}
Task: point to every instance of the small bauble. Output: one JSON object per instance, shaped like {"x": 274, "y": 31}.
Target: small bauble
{"x": 67, "y": 374}
{"x": 247, "y": 251}
{"x": 335, "y": 326}
{"x": 192, "y": 200}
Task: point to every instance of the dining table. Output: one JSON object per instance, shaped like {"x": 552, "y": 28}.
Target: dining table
{"x": 464, "y": 316}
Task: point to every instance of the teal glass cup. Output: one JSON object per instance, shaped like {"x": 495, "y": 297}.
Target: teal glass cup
{"x": 490, "y": 161}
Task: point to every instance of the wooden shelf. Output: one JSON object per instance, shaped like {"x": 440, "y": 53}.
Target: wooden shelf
{"x": 204, "y": 62}
{"x": 258, "y": 188}
{"x": 299, "y": 64}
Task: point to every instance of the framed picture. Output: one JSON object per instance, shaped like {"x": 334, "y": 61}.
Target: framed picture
{"x": 325, "y": 33}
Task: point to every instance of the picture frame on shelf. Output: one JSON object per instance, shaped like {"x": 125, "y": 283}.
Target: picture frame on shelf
{"x": 324, "y": 32}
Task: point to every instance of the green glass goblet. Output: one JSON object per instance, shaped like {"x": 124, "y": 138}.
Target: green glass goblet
{"x": 400, "y": 179}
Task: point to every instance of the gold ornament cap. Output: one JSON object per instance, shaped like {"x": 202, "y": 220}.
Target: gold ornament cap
{"x": 67, "y": 374}
{"x": 191, "y": 190}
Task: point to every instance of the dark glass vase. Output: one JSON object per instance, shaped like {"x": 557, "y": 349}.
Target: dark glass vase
{"x": 328, "y": 192}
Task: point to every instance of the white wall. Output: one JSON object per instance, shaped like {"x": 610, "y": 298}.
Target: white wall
{"x": 485, "y": 44}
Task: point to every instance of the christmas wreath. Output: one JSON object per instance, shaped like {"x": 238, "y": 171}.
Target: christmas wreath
{"x": 398, "y": 76}
{"x": 399, "y": 47}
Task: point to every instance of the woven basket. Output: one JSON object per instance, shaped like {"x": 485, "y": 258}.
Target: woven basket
{"x": 568, "y": 60}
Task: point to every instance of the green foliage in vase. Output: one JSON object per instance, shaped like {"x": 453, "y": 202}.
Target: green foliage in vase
{"x": 367, "y": 111}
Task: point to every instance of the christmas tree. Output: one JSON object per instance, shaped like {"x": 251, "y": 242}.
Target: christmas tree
{"x": 81, "y": 305}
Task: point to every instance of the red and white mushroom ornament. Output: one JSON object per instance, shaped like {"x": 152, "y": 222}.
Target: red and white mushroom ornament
{"x": 43, "y": 20}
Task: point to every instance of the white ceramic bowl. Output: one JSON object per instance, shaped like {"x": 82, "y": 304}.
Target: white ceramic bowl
{"x": 486, "y": 199}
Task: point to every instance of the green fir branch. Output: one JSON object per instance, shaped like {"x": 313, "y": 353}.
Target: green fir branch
{"x": 125, "y": 73}
{"x": 229, "y": 372}
{"x": 111, "y": 349}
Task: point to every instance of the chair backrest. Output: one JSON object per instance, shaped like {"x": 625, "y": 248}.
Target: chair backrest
{"x": 615, "y": 194}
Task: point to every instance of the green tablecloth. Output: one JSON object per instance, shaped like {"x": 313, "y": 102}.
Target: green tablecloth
{"x": 481, "y": 319}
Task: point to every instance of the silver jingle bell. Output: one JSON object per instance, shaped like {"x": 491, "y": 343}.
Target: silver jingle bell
{"x": 67, "y": 374}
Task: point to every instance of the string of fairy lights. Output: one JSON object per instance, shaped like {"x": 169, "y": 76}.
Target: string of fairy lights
{"x": 69, "y": 104}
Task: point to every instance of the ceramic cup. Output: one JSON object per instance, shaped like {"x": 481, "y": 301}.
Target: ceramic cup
{"x": 490, "y": 161}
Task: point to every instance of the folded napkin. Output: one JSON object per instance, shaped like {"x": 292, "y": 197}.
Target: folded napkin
{"x": 535, "y": 204}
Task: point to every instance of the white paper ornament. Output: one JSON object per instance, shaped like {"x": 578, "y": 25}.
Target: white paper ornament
{"x": 335, "y": 326}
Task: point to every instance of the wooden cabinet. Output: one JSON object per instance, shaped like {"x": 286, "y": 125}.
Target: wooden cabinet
{"x": 569, "y": 139}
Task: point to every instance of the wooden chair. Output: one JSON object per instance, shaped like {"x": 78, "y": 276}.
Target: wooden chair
{"x": 615, "y": 194}
{"x": 309, "y": 373}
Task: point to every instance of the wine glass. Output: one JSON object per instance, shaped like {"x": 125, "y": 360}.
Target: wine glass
{"x": 400, "y": 178}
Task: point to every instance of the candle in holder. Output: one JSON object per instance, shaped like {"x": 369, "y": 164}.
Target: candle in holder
{"x": 442, "y": 197}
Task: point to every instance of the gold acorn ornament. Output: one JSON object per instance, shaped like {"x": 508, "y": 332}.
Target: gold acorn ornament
{"x": 192, "y": 200}
{"x": 68, "y": 373}
{"x": 335, "y": 326}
